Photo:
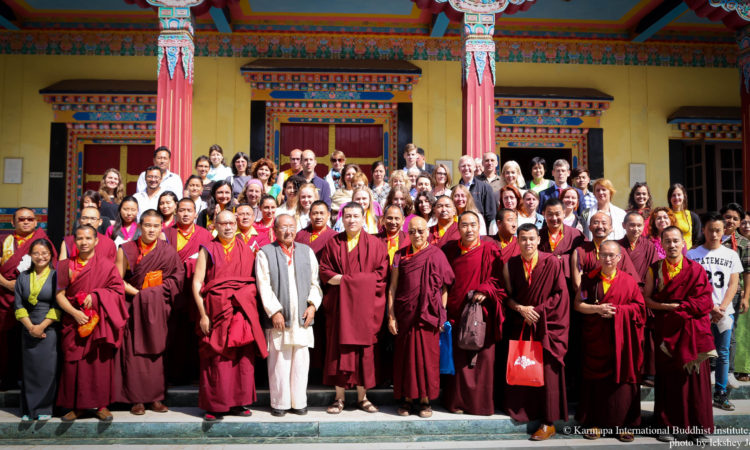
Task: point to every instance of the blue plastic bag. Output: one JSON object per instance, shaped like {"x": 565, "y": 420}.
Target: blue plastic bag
{"x": 446, "y": 350}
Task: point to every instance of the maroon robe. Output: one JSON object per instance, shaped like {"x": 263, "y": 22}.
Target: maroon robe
{"x": 480, "y": 269}
{"x": 104, "y": 247}
{"x": 139, "y": 375}
{"x": 451, "y": 234}
{"x": 643, "y": 255}
{"x": 304, "y": 236}
{"x": 612, "y": 353}
{"x": 227, "y": 377}
{"x": 182, "y": 341}
{"x": 683, "y": 399}
{"x": 354, "y": 309}
{"x": 88, "y": 367}
{"x": 588, "y": 261}
{"x": 419, "y": 313}
{"x": 511, "y": 249}
{"x": 548, "y": 294}
{"x": 572, "y": 239}
{"x": 10, "y": 331}
{"x": 403, "y": 240}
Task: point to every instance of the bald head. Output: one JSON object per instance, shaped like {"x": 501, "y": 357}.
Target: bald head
{"x": 600, "y": 226}
{"x": 609, "y": 256}
{"x": 295, "y": 160}
{"x": 226, "y": 225}
{"x": 610, "y": 246}
{"x": 418, "y": 232}
{"x": 309, "y": 162}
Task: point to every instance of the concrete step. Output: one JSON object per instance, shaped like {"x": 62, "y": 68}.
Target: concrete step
{"x": 184, "y": 425}
{"x": 321, "y": 396}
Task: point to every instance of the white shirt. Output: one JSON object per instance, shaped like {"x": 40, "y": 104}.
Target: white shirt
{"x": 296, "y": 334}
{"x": 170, "y": 181}
{"x": 219, "y": 173}
{"x": 720, "y": 264}
{"x": 145, "y": 203}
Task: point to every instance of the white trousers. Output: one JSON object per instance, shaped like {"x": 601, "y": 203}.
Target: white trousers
{"x": 287, "y": 376}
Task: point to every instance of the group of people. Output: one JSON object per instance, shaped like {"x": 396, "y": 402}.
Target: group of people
{"x": 332, "y": 273}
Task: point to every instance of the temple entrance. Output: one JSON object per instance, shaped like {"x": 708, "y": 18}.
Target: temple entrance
{"x": 130, "y": 160}
{"x": 362, "y": 144}
{"x": 523, "y": 157}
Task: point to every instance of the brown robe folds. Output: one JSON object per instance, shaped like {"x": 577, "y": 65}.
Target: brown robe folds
{"x": 571, "y": 240}
{"x": 304, "y": 236}
{"x": 480, "y": 270}
{"x": 510, "y": 250}
{"x": 612, "y": 353}
{"x": 88, "y": 366}
{"x": 451, "y": 234}
{"x": 140, "y": 375}
{"x": 419, "y": 313}
{"x": 227, "y": 377}
{"x": 548, "y": 294}
{"x": 683, "y": 399}
{"x": 354, "y": 309}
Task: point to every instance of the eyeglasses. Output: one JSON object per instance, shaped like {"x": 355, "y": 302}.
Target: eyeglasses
{"x": 226, "y": 224}
{"x": 89, "y": 218}
{"x": 25, "y": 219}
{"x": 287, "y": 228}
{"x": 40, "y": 254}
{"x": 608, "y": 256}
{"x": 338, "y": 160}
{"x": 417, "y": 231}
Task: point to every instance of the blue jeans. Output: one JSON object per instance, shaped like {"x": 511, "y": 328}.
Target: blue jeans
{"x": 722, "y": 341}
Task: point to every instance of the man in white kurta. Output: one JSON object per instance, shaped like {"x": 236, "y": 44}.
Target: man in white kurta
{"x": 287, "y": 277}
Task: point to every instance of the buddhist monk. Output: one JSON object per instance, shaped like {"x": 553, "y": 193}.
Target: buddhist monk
{"x": 153, "y": 276}
{"x": 393, "y": 235}
{"x": 89, "y": 289}
{"x": 446, "y": 228}
{"x": 642, "y": 254}
{"x": 614, "y": 315}
{"x": 105, "y": 248}
{"x": 538, "y": 299}
{"x": 245, "y": 229}
{"x": 15, "y": 259}
{"x": 679, "y": 293}
{"x": 476, "y": 264}
{"x": 354, "y": 265}
{"x": 417, "y": 296}
{"x": 558, "y": 238}
{"x": 507, "y": 224}
{"x": 317, "y": 234}
{"x": 585, "y": 258}
{"x": 232, "y": 336}
{"x": 186, "y": 237}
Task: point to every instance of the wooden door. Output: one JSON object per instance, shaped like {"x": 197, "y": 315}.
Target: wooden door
{"x": 304, "y": 137}
{"x": 362, "y": 145}
{"x": 129, "y": 159}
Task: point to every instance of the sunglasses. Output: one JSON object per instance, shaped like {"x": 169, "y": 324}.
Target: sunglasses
{"x": 338, "y": 160}
{"x": 25, "y": 219}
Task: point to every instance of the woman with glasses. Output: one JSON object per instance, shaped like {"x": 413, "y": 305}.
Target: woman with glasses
{"x": 442, "y": 181}
{"x": 36, "y": 309}
{"x": 379, "y": 185}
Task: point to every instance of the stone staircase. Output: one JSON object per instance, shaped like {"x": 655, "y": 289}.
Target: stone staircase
{"x": 183, "y": 425}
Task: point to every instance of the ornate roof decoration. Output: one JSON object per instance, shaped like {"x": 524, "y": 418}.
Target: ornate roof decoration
{"x": 735, "y": 14}
{"x": 455, "y": 9}
{"x": 197, "y": 7}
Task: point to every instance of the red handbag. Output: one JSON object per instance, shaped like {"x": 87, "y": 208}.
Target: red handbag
{"x": 525, "y": 365}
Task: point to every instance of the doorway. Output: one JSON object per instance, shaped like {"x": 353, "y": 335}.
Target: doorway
{"x": 523, "y": 157}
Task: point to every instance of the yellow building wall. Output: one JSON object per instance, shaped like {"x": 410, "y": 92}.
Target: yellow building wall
{"x": 635, "y": 128}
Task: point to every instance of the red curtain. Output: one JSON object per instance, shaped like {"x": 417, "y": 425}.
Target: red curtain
{"x": 303, "y": 137}
{"x": 360, "y": 141}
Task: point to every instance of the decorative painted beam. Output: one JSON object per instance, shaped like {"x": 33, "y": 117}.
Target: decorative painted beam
{"x": 222, "y": 19}
{"x": 174, "y": 107}
{"x": 440, "y": 25}
{"x": 657, "y": 19}
{"x": 734, "y": 14}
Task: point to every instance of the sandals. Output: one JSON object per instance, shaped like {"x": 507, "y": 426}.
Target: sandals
{"x": 405, "y": 409}
{"x": 336, "y": 407}
{"x": 425, "y": 410}
{"x": 625, "y": 437}
{"x": 593, "y": 434}
{"x": 367, "y": 406}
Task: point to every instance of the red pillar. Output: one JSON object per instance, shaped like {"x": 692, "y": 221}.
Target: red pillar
{"x": 174, "y": 108}
{"x": 744, "y": 64}
{"x": 478, "y": 84}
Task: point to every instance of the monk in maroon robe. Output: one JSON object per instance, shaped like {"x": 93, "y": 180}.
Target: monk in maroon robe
{"x": 246, "y": 228}
{"x": 354, "y": 265}
{"x": 585, "y": 258}
{"x": 507, "y": 224}
{"x": 182, "y": 342}
{"x": 477, "y": 266}
{"x": 538, "y": 299}
{"x": 393, "y": 236}
{"x": 153, "y": 276}
{"x": 614, "y": 314}
{"x": 232, "y": 336}
{"x": 417, "y": 297}
{"x": 680, "y": 295}
{"x": 316, "y": 236}
{"x": 642, "y": 254}
{"x": 89, "y": 289}
{"x": 446, "y": 228}
{"x": 557, "y": 238}
{"x": 105, "y": 248}
{"x": 15, "y": 255}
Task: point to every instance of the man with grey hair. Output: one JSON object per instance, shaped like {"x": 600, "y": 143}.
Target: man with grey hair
{"x": 489, "y": 172}
{"x": 560, "y": 174}
{"x": 484, "y": 199}
{"x": 287, "y": 277}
